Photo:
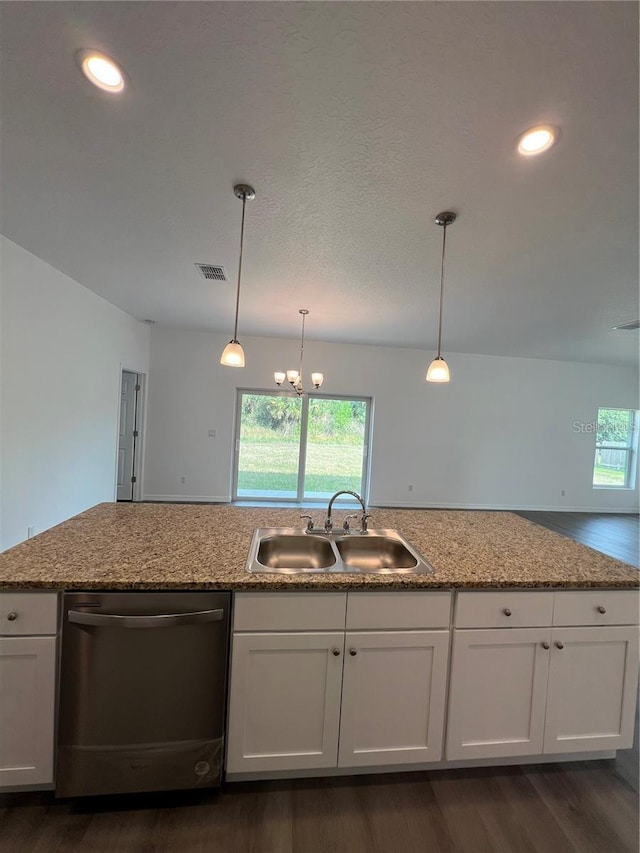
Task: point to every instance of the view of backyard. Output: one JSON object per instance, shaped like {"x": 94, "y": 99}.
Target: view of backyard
{"x": 270, "y": 446}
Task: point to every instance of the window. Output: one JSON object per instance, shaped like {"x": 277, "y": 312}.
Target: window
{"x": 616, "y": 443}
{"x": 300, "y": 448}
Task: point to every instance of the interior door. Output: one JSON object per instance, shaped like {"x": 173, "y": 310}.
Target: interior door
{"x": 127, "y": 435}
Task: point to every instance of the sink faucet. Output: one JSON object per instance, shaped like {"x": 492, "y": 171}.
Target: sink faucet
{"x": 328, "y": 525}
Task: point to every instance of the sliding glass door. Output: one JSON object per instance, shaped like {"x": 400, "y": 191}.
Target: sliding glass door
{"x": 300, "y": 448}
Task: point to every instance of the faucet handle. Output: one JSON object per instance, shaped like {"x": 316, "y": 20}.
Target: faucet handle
{"x": 363, "y": 524}
{"x": 309, "y": 521}
{"x": 345, "y": 523}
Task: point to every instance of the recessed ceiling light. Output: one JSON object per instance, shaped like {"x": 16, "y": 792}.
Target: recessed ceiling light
{"x": 101, "y": 70}
{"x": 537, "y": 139}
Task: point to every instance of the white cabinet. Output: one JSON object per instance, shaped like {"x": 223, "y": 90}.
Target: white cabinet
{"x": 295, "y": 695}
{"x": 393, "y": 697}
{"x": 546, "y": 689}
{"x": 498, "y": 693}
{"x": 284, "y": 708}
{"x": 593, "y": 680}
{"x": 27, "y": 687}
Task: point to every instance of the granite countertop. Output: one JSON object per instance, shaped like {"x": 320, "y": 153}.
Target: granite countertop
{"x": 187, "y": 546}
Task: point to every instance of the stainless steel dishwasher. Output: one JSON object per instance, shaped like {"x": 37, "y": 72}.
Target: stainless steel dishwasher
{"x": 142, "y": 691}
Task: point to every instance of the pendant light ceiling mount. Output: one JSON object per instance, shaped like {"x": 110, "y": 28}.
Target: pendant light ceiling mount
{"x": 233, "y": 354}
{"x": 438, "y": 370}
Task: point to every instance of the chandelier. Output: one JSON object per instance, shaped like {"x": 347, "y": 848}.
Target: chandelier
{"x": 294, "y": 377}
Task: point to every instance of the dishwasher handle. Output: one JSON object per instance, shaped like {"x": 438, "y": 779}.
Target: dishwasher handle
{"x": 163, "y": 620}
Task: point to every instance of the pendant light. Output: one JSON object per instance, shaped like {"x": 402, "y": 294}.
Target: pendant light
{"x": 294, "y": 377}
{"x": 233, "y": 354}
{"x": 439, "y": 369}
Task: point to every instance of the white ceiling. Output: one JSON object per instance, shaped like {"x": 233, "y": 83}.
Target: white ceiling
{"x": 356, "y": 123}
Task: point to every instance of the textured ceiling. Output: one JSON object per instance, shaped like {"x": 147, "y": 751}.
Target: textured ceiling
{"x": 356, "y": 123}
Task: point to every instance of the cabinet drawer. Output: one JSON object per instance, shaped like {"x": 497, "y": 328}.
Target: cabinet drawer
{"x": 398, "y": 610}
{"x": 289, "y": 611}
{"x": 24, "y": 613}
{"x": 503, "y": 609}
{"x": 596, "y": 608}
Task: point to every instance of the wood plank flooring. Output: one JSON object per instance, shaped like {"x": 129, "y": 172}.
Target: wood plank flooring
{"x": 615, "y": 534}
{"x": 572, "y": 808}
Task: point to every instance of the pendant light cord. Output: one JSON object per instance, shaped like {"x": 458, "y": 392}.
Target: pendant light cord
{"x": 444, "y": 240}
{"x": 302, "y": 346}
{"x": 235, "y": 327}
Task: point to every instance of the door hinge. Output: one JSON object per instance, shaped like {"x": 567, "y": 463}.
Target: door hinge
{"x": 135, "y": 433}
{"x": 137, "y": 388}
{"x": 133, "y": 479}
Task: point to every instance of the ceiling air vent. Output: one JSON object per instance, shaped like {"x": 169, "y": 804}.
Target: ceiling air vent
{"x": 627, "y": 327}
{"x": 212, "y": 272}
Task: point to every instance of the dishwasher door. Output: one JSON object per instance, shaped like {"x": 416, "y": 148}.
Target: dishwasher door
{"x": 142, "y": 691}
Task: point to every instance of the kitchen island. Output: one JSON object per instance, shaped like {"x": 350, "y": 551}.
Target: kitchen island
{"x": 187, "y": 546}
{"x": 521, "y": 646}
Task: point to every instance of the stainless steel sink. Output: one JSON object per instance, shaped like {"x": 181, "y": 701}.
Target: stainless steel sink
{"x": 287, "y": 550}
{"x": 374, "y": 553}
{"x": 295, "y": 552}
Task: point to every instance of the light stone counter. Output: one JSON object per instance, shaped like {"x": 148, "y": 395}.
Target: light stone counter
{"x": 187, "y": 546}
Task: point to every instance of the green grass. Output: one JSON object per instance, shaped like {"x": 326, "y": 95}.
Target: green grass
{"x": 608, "y": 476}
{"x": 274, "y": 466}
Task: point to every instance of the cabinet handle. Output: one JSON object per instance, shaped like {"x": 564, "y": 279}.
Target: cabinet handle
{"x": 559, "y": 645}
{"x": 506, "y": 611}
{"x": 546, "y": 645}
{"x": 601, "y": 609}
{"x": 353, "y": 652}
{"x": 336, "y": 652}
{"x": 12, "y": 616}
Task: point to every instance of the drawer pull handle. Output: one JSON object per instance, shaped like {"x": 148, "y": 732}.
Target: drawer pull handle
{"x": 336, "y": 652}
{"x": 559, "y": 645}
{"x": 601, "y": 609}
{"x": 546, "y": 645}
{"x": 506, "y": 611}
{"x": 353, "y": 652}
{"x": 12, "y": 616}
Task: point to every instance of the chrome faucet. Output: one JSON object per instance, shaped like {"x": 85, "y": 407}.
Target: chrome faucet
{"x": 328, "y": 525}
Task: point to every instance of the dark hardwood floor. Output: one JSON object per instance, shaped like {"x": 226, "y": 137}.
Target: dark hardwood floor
{"x": 615, "y": 534}
{"x": 571, "y": 808}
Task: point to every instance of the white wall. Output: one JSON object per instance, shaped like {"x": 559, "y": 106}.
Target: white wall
{"x": 500, "y": 435}
{"x": 62, "y": 348}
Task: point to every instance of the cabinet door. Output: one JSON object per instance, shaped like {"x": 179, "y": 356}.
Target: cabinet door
{"x": 27, "y": 710}
{"x": 393, "y": 697}
{"x": 498, "y": 692}
{"x": 284, "y": 707}
{"x": 593, "y": 680}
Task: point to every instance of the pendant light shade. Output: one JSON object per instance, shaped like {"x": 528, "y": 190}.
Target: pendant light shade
{"x": 438, "y": 370}
{"x": 233, "y": 354}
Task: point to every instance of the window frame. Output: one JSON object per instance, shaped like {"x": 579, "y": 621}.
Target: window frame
{"x": 302, "y": 452}
{"x": 630, "y": 450}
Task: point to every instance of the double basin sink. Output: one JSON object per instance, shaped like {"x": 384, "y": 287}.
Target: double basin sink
{"x": 287, "y": 550}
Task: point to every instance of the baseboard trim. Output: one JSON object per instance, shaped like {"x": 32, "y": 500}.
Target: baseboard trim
{"x": 406, "y": 768}
{"x": 183, "y": 499}
{"x": 501, "y": 507}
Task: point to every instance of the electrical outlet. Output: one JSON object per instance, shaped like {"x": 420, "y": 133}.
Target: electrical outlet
{"x": 30, "y": 531}
{"x": 212, "y": 433}
{"x": 563, "y": 493}
{"x": 183, "y": 479}
{"x": 410, "y": 487}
